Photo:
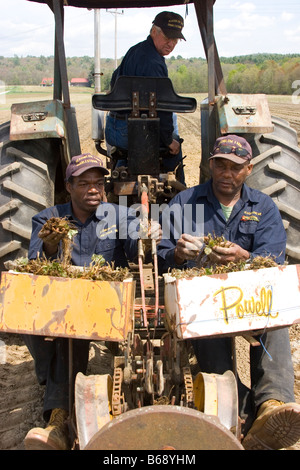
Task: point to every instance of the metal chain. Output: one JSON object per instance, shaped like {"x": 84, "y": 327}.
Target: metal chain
{"x": 188, "y": 385}
{"x": 117, "y": 397}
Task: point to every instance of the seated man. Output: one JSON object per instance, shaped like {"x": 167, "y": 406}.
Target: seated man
{"x": 85, "y": 184}
{"x": 146, "y": 59}
{"x": 226, "y": 199}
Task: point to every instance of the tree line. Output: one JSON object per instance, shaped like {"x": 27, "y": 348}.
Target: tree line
{"x": 256, "y": 73}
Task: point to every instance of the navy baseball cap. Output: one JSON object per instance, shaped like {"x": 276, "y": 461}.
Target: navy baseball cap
{"x": 170, "y": 23}
{"x": 80, "y": 163}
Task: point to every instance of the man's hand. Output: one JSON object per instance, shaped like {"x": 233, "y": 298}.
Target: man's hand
{"x": 187, "y": 248}
{"x": 50, "y": 241}
{"x": 232, "y": 253}
{"x": 155, "y": 231}
{"x": 174, "y": 147}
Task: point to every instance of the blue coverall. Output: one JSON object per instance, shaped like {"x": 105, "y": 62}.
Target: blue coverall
{"x": 142, "y": 60}
{"x": 256, "y": 225}
{"x": 93, "y": 237}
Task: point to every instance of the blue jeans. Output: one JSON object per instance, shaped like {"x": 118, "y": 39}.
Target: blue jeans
{"x": 52, "y": 367}
{"x": 271, "y": 368}
{"x": 116, "y": 134}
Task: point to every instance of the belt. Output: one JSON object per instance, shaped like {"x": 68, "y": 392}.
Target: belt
{"x": 121, "y": 117}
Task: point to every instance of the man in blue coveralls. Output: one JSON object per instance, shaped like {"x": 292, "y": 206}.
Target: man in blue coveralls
{"x": 146, "y": 59}
{"x": 252, "y": 223}
{"x": 87, "y": 211}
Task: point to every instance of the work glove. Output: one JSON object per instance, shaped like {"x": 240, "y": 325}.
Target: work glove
{"x": 155, "y": 231}
{"x": 188, "y": 248}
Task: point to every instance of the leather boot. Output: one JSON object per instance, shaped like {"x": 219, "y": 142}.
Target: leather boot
{"x": 277, "y": 426}
{"x": 53, "y": 437}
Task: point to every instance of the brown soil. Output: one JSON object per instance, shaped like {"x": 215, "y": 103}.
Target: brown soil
{"x": 20, "y": 396}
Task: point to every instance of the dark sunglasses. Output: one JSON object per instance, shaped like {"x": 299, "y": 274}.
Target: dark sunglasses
{"x": 240, "y": 152}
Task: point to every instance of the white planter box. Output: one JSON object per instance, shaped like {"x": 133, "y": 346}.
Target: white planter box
{"x": 232, "y": 303}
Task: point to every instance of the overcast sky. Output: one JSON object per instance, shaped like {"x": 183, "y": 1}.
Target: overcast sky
{"x": 241, "y": 27}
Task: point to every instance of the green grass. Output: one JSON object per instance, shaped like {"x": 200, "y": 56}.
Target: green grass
{"x": 79, "y": 96}
{"x": 23, "y": 94}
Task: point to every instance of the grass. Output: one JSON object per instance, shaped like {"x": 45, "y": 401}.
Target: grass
{"x": 23, "y": 94}
{"x": 17, "y": 94}
{"x": 28, "y": 93}
{"x": 79, "y": 96}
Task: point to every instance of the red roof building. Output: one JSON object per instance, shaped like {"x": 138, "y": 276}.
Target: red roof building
{"x": 47, "y": 81}
{"x": 80, "y": 82}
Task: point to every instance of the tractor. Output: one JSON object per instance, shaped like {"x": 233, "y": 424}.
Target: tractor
{"x": 152, "y": 385}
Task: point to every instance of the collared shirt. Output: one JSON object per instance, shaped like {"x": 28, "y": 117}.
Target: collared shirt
{"x": 143, "y": 60}
{"x": 255, "y": 223}
{"x": 106, "y": 232}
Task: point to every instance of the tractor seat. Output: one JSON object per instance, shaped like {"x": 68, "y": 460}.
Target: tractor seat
{"x": 140, "y": 99}
{"x": 132, "y": 93}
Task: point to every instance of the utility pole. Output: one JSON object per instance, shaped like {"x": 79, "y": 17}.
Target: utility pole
{"x": 97, "y": 115}
{"x": 97, "y": 55}
{"x": 115, "y": 12}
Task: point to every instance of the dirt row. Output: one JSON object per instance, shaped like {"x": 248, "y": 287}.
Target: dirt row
{"x": 21, "y": 398}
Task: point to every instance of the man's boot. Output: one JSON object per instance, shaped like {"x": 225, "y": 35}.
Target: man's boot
{"x": 53, "y": 437}
{"x": 277, "y": 426}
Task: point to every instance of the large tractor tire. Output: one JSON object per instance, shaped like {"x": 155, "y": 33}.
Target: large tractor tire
{"x": 28, "y": 184}
{"x": 276, "y": 172}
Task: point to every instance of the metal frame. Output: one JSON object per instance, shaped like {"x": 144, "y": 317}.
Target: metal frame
{"x": 61, "y": 86}
{"x": 204, "y": 12}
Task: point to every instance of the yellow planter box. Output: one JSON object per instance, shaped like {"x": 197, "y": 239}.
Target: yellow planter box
{"x": 72, "y": 308}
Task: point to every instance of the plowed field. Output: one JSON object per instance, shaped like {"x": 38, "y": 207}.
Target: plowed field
{"x": 20, "y": 395}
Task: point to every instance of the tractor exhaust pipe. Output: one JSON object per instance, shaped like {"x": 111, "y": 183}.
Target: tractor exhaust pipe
{"x": 97, "y": 115}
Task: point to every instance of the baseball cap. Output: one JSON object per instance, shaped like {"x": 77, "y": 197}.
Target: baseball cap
{"x": 80, "y": 163}
{"x": 170, "y": 23}
{"x": 232, "y": 147}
